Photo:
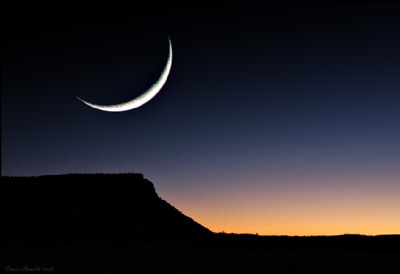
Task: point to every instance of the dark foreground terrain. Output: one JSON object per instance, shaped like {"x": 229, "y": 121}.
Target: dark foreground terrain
{"x": 118, "y": 224}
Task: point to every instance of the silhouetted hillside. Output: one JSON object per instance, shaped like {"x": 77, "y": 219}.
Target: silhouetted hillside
{"x": 104, "y": 223}
{"x": 96, "y": 208}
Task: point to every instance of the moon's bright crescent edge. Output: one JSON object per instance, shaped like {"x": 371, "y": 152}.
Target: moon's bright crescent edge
{"x": 144, "y": 97}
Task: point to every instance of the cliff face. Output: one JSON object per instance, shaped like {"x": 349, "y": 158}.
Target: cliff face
{"x": 91, "y": 208}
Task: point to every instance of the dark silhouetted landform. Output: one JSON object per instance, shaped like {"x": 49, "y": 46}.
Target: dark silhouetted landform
{"x": 113, "y": 223}
{"x": 91, "y": 208}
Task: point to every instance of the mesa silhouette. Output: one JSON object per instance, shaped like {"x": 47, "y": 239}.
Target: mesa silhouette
{"x": 111, "y": 223}
{"x": 91, "y": 208}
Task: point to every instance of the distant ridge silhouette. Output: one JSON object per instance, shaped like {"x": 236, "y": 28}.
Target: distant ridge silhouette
{"x": 91, "y": 208}
{"x": 116, "y": 223}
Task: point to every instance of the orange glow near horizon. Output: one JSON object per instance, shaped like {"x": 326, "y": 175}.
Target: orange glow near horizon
{"x": 327, "y": 209}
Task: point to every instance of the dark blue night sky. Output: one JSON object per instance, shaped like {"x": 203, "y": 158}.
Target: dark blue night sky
{"x": 292, "y": 100}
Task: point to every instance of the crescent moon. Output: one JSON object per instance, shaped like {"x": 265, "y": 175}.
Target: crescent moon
{"x": 144, "y": 97}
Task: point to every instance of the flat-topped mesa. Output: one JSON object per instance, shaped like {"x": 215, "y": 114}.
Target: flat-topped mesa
{"x": 94, "y": 208}
{"x": 133, "y": 180}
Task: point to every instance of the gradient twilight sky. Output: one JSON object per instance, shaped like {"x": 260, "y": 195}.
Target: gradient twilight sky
{"x": 280, "y": 118}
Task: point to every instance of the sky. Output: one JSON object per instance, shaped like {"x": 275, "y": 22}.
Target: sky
{"x": 277, "y": 119}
